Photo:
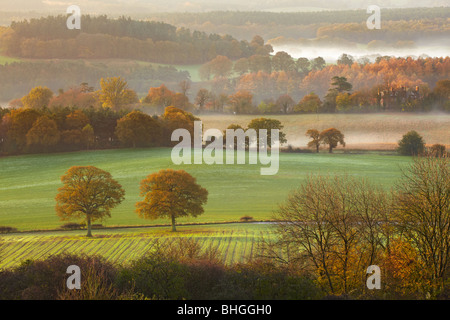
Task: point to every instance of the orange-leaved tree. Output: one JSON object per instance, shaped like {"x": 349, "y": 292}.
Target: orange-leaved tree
{"x": 332, "y": 137}
{"x": 315, "y": 139}
{"x": 171, "y": 194}
{"x": 88, "y": 193}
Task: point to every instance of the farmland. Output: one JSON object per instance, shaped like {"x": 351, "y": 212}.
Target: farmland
{"x": 29, "y": 183}
{"x": 378, "y": 131}
{"x": 234, "y": 242}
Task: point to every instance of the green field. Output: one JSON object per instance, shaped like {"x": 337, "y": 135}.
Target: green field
{"x": 29, "y": 183}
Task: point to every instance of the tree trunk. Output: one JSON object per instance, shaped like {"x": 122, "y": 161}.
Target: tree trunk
{"x": 331, "y": 149}
{"x": 89, "y": 233}
{"x": 174, "y": 229}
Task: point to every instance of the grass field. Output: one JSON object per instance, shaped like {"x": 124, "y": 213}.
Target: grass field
{"x": 29, "y": 183}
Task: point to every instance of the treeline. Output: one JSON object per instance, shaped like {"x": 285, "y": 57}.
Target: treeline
{"x": 60, "y": 129}
{"x": 429, "y": 22}
{"x": 17, "y": 78}
{"x": 238, "y": 18}
{"x": 101, "y": 37}
{"x": 282, "y": 84}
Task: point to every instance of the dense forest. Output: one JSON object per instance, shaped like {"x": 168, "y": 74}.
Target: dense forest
{"x": 101, "y": 38}
{"x": 19, "y": 77}
{"x": 397, "y": 24}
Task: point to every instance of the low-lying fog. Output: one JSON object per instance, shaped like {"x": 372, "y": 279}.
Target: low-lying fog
{"x": 331, "y": 54}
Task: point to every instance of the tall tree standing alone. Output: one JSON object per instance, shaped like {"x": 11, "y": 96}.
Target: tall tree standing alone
{"x": 88, "y": 193}
{"x": 171, "y": 194}
{"x": 332, "y": 137}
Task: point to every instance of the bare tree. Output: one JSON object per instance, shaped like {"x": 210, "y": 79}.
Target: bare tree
{"x": 337, "y": 225}
{"x": 423, "y": 214}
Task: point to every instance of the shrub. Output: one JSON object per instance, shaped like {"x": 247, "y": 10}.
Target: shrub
{"x": 46, "y": 279}
{"x": 246, "y": 219}
{"x": 412, "y": 144}
{"x": 437, "y": 150}
{"x": 72, "y": 226}
{"x": 5, "y": 229}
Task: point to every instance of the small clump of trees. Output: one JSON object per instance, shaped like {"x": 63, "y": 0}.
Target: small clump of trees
{"x": 331, "y": 137}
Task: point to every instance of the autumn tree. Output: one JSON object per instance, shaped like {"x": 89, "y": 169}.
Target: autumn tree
{"x": 258, "y": 63}
{"x": 159, "y": 96}
{"x": 332, "y": 226}
{"x": 203, "y": 96}
{"x": 241, "y": 66}
{"x": 37, "y": 98}
{"x": 437, "y": 150}
{"x": 220, "y": 66}
{"x": 345, "y": 59}
{"x": 269, "y": 125}
{"x": 343, "y": 101}
{"x": 175, "y": 118}
{"x": 285, "y": 103}
{"x": 171, "y": 194}
{"x": 21, "y": 121}
{"x": 71, "y": 133}
{"x": 315, "y": 139}
{"x": 115, "y": 93}
{"x": 88, "y": 136}
{"x": 310, "y": 103}
{"x": 332, "y": 137}
{"x": 318, "y": 63}
{"x": 442, "y": 93}
{"x": 88, "y": 193}
{"x": 242, "y": 102}
{"x": 43, "y": 135}
{"x": 282, "y": 61}
{"x": 138, "y": 129}
{"x": 303, "y": 65}
{"x": 423, "y": 216}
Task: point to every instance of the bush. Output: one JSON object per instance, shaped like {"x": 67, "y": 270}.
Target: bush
{"x": 437, "y": 150}
{"x": 246, "y": 219}
{"x": 72, "y": 226}
{"x": 5, "y": 229}
{"x": 412, "y": 144}
{"x": 46, "y": 279}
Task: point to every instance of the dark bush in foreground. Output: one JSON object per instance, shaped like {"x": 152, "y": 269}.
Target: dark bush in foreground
{"x": 46, "y": 280}
{"x": 5, "y": 229}
{"x": 171, "y": 272}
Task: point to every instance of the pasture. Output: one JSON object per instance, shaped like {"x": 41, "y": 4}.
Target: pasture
{"x": 29, "y": 183}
